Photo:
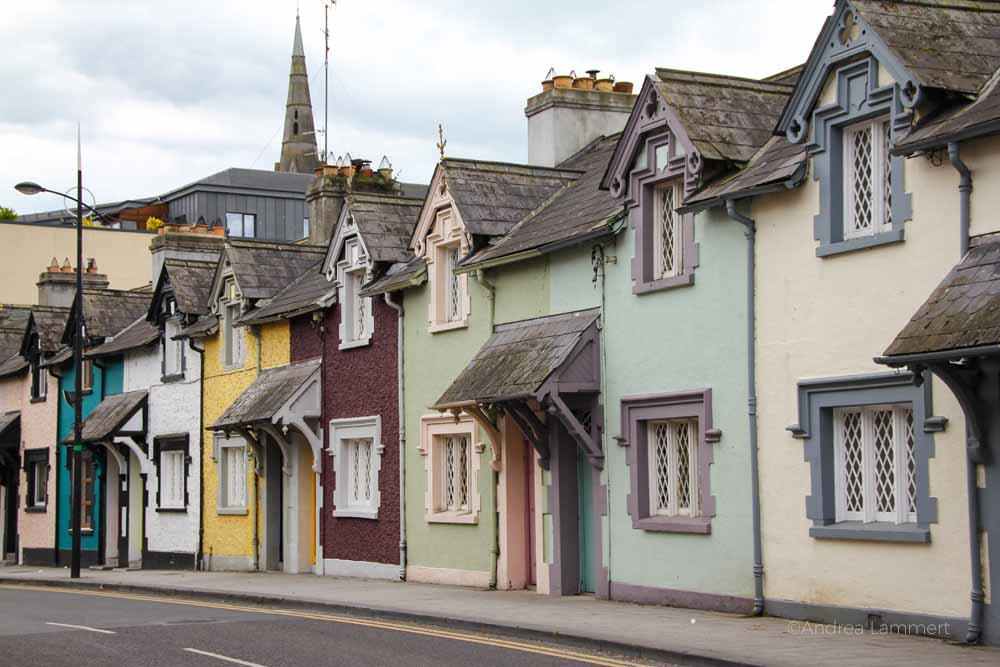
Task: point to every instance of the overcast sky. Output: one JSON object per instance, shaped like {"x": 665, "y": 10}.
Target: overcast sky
{"x": 169, "y": 92}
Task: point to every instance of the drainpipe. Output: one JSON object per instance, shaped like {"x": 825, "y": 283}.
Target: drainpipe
{"x": 750, "y": 230}
{"x": 965, "y": 194}
{"x": 491, "y": 292}
{"x": 976, "y": 594}
{"x": 398, "y": 307}
{"x": 201, "y": 457}
{"x": 255, "y": 332}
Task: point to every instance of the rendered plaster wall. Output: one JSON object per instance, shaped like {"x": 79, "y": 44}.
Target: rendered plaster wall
{"x": 358, "y": 382}
{"x": 827, "y": 317}
{"x": 228, "y": 535}
{"x": 685, "y": 338}
{"x": 442, "y": 552}
{"x": 107, "y": 380}
{"x": 174, "y": 409}
{"x": 36, "y": 530}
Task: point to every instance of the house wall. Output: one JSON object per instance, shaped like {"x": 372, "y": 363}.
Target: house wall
{"x": 174, "y": 408}
{"x": 828, "y": 317}
{"x": 228, "y": 539}
{"x": 358, "y": 382}
{"x": 278, "y": 218}
{"x": 123, "y": 256}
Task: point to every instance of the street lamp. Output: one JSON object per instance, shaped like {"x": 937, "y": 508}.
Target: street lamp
{"x": 29, "y": 188}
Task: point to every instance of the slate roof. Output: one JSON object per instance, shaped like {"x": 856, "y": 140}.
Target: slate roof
{"x": 963, "y": 311}
{"x": 14, "y": 365}
{"x": 949, "y": 44}
{"x": 518, "y": 358}
{"x": 110, "y": 416}
{"x": 264, "y": 269}
{"x": 310, "y": 291}
{"x": 580, "y": 210}
{"x": 726, "y": 117}
{"x": 108, "y": 311}
{"x": 386, "y": 224}
{"x": 50, "y": 323}
{"x": 8, "y": 419}
{"x": 138, "y": 334}
{"x": 203, "y": 327}
{"x": 778, "y": 163}
{"x": 492, "y": 197}
{"x": 192, "y": 284}
{"x": 13, "y": 324}
{"x": 268, "y": 393}
{"x": 399, "y": 276}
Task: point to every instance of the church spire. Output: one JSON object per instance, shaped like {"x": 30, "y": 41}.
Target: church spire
{"x": 298, "y": 145}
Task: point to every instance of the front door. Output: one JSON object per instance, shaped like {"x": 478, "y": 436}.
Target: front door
{"x": 585, "y": 499}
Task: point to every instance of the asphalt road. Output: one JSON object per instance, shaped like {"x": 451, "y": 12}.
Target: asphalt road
{"x": 42, "y": 627}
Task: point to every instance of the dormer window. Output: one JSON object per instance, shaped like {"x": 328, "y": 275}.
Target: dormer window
{"x": 39, "y": 383}
{"x": 452, "y": 284}
{"x": 173, "y": 361}
{"x": 449, "y": 308}
{"x": 356, "y": 320}
{"x": 668, "y": 242}
{"x": 867, "y": 179}
{"x": 230, "y": 311}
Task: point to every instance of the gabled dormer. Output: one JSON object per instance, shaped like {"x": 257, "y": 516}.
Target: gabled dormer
{"x": 687, "y": 129}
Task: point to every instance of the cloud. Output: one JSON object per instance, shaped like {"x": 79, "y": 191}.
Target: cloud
{"x": 171, "y": 92}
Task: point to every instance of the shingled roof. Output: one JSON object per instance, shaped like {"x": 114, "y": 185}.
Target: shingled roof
{"x": 962, "y": 313}
{"x": 108, "y": 311}
{"x": 266, "y": 395}
{"x": 778, "y": 164}
{"x": 726, "y": 117}
{"x": 13, "y": 324}
{"x": 264, "y": 269}
{"x": 138, "y": 334}
{"x": 399, "y": 276}
{"x": 50, "y": 323}
{"x": 192, "y": 283}
{"x": 110, "y": 416}
{"x": 311, "y": 291}
{"x": 386, "y": 224}
{"x": 203, "y": 327}
{"x": 949, "y": 44}
{"x": 492, "y": 197}
{"x": 579, "y": 211}
{"x": 518, "y": 358}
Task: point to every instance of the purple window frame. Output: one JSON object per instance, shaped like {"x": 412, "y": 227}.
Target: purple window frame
{"x": 637, "y": 412}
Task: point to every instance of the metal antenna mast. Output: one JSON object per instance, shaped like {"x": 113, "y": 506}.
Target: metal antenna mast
{"x": 326, "y": 81}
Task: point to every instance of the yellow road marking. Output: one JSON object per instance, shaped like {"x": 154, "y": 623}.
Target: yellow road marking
{"x": 336, "y": 618}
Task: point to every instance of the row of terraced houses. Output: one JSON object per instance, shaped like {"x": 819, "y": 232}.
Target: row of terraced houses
{"x": 723, "y": 343}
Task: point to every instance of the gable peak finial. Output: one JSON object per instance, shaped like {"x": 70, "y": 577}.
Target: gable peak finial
{"x": 442, "y": 142}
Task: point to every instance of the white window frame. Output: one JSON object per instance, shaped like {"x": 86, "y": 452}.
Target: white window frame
{"x": 672, "y": 509}
{"x": 169, "y": 485}
{"x": 174, "y": 361}
{"x": 879, "y": 173}
{"x": 661, "y": 271}
{"x": 903, "y": 454}
{"x": 447, "y": 239}
{"x": 233, "y": 347}
{"x": 223, "y": 474}
{"x": 40, "y": 470}
{"x": 86, "y": 375}
{"x": 343, "y": 434}
{"x": 434, "y": 433}
{"x": 355, "y": 311}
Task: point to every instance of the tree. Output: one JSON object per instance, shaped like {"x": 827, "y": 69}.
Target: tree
{"x": 7, "y": 214}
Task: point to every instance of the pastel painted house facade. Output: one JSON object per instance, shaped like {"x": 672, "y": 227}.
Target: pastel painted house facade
{"x": 14, "y": 394}
{"x": 864, "y": 471}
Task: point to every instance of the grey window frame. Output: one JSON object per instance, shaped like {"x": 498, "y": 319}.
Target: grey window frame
{"x": 817, "y": 400}
{"x": 243, "y": 224}
{"x": 636, "y": 413}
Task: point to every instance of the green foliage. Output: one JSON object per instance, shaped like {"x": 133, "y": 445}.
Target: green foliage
{"x": 7, "y": 214}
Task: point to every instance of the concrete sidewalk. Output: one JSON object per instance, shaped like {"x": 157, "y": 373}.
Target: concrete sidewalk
{"x": 688, "y": 637}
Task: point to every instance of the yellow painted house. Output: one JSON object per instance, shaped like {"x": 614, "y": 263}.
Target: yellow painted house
{"x": 249, "y": 452}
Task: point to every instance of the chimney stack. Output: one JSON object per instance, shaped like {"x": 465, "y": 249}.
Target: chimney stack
{"x": 326, "y": 194}
{"x": 57, "y": 284}
{"x": 572, "y": 111}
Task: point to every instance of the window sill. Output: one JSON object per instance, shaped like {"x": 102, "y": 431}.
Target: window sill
{"x": 172, "y": 510}
{"x": 698, "y": 525}
{"x": 860, "y": 243}
{"x": 878, "y": 531}
{"x": 37, "y": 399}
{"x": 351, "y": 344}
{"x": 438, "y": 327}
{"x": 36, "y": 509}
{"x": 467, "y": 518}
{"x": 356, "y": 514}
{"x": 83, "y": 533}
{"x": 232, "y": 369}
{"x": 173, "y": 377}
{"x": 673, "y": 282}
{"x": 231, "y": 511}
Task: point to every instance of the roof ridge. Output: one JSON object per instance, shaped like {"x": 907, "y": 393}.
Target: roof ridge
{"x": 591, "y": 146}
{"x": 974, "y": 5}
{"x": 742, "y": 81}
{"x": 553, "y": 316}
{"x": 520, "y": 165}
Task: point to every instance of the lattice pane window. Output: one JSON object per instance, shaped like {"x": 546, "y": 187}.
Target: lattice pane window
{"x": 876, "y": 469}
{"x": 867, "y": 179}
{"x": 673, "y": 467}
{"x": 453, "y": 286}
{"x": 236, "y": 476}
{"x": 359, "y": 452}
{"x": 455, "y": 473}
{"x": 667, "y": 232}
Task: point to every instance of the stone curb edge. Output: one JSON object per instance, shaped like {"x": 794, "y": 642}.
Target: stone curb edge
{"x": 687, "y": 658}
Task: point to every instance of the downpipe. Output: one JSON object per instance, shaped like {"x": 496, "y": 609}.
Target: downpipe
{"x": 255, "y": 332}
{"x": 491, "y": 292}
{"x": 750, "y": 231}
{"x": 199, "y": 557}
{"x": 976, "y": 594}
{"x": 398, "y": 307}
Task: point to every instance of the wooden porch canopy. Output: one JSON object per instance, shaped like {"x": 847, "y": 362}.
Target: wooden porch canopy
{"x": 538, "y": 361}
{"x": 955, "y": 334}
{"x": 119, "y": 419}
{"x": 283, "y": 397}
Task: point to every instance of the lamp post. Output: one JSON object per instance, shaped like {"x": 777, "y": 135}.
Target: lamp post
{"x": 29, "y": 188}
